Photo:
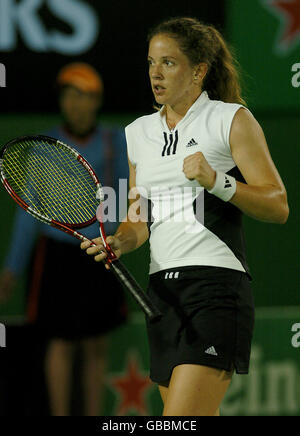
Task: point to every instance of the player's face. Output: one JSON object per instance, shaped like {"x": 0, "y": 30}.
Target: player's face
{"x": 79, "y": 109}
{"x": 171, "y": 73}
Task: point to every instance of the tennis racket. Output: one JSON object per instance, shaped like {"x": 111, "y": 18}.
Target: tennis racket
{"x": 57, "y": 186}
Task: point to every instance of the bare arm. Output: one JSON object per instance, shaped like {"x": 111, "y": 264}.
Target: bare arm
{"x": 264, "y": 196}
{"x": 130, "y": 235}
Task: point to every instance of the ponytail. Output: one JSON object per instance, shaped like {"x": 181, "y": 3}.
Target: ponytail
{"x": 222, "y": 79}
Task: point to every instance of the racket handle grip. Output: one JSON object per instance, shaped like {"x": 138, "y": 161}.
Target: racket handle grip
{"x": 136, "y": 291}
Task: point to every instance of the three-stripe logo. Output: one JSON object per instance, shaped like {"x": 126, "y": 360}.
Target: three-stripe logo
{"x": 170, "y": 145}
{"x": 172, "y": 275}
{"x": 227, "y": 183}
{"x": 191, "y": 143}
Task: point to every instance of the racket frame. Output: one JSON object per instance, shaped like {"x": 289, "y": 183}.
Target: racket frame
{"x": 65, "y": 227}
{"x": 118, "y": 268}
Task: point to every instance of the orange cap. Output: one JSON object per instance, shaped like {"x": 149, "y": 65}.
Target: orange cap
{"x": 82, "y": 76}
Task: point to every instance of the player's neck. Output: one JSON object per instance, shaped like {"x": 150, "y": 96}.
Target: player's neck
{"x": 175, "y": 113}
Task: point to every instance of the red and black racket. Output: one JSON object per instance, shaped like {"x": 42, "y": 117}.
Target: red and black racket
{"x": 56, "y": 185}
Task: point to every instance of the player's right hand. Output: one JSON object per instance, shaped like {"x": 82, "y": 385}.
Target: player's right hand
{"x": 99, "y": 251}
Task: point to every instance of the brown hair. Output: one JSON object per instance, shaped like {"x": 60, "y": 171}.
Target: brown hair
{"x": 204, "y": 43}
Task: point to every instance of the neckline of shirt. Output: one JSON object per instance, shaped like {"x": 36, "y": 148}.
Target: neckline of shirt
{"x": 203, "y": 97}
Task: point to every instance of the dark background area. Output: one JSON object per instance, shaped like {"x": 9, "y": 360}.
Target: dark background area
{"x": 119, "y": 53}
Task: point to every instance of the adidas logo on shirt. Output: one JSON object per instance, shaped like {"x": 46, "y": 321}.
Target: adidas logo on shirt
{"x": 227, "y": 183}
{"x": 212, "y": 351}
{"x": 192, "y": 142}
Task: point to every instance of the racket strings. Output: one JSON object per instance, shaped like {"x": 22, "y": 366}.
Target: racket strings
{"x": 61, "y": 169}
{"x": 50, "y": 180}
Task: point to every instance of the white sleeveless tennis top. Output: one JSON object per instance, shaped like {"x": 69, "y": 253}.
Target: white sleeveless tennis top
{"x": 187, "y": 225}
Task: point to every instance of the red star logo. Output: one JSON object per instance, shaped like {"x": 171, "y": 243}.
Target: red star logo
{"x": 289, "y": 13}
{"x": 132, "y": 388}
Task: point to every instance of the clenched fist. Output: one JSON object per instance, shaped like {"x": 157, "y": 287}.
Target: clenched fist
{"x": 196, "y": 167}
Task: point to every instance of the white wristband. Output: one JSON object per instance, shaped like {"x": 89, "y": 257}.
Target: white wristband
{"x": 224, "y": 187}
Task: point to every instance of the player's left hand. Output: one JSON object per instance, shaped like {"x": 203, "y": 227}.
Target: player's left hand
{"x": 196, "y": 167}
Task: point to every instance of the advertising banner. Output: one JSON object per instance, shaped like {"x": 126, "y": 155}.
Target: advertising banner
{"x": 38, "y": 37}
{"x": 270, "y": 389}
{"x": 265, "y": 35}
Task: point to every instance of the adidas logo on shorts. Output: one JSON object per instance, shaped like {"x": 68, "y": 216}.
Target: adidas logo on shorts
{"x": 172, "y": 275}
{"x": 212, "y": 351}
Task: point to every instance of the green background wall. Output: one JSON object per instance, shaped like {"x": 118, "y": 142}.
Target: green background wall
{"x": 264, "y": 35}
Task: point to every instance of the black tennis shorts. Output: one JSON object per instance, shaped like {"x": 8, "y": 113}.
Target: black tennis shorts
{"x": 208, "y": 319}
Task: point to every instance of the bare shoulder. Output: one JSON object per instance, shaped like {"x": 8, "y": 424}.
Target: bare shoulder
{"x": 250, "y": 150}
{"x": 245, "y": 128}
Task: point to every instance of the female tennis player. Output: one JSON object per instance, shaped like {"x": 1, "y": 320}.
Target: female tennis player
{"x": 204, "y": 142}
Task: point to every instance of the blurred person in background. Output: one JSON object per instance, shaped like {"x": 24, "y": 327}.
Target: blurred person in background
{"x": 66, "y": 308}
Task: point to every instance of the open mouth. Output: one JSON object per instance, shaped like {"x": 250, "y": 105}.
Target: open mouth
{"x": 157, "y": 89}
